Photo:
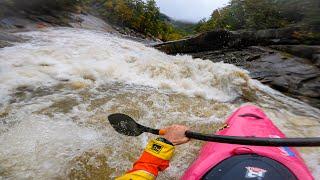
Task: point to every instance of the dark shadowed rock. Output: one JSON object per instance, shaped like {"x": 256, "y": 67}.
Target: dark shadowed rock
{"x": 4, "y": 44}
{"x": 11, "y": 22}
{"x": 316, "y": 59}
{"x": 215, "y": 40}
{"x": 88, "y": 21}
{"x": 206, "y": 41}
{"x": 6, "y": 39}
{"x": 295, "y": 71}
{"x": 304, "y": 51}
{"x": 294, "y": 76}
{"x": 10, "y": 37}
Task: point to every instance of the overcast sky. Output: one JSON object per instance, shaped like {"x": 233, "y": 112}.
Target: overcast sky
{"x": 189, "y": 10}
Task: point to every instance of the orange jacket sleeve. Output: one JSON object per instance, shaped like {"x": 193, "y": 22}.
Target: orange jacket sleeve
{"x": 155, "y": 158}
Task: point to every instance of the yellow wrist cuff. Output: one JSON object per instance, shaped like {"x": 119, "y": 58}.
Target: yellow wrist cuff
{"x": 160, "y": 149}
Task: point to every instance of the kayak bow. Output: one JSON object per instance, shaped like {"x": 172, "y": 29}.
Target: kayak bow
{"x": 229, "y": 161}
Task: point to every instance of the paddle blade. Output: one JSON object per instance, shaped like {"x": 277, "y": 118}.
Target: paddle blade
{"x": 125, "y": 125}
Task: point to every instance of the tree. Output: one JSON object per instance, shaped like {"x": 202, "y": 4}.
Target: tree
{"x": 262, "y": 14}
{"x": 142, "y": 16}
{"x": 124, "y": 13}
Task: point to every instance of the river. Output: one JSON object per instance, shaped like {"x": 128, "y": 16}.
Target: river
{"x": 57, "y": 89}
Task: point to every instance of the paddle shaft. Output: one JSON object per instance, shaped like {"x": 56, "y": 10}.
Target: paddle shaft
{"x": 150, "y": 130}
{"x": 126, "y": 125}
{"x": 256, "y": 141}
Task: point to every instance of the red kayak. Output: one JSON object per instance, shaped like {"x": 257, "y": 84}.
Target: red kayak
{"x": 229, "y": 161}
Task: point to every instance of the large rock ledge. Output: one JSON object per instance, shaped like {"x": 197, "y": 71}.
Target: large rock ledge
{"x": 309, "y": 52}
{"x": 287, "y": 59}
{"x": 220, "y": 39}
{"x": 14, "y": 20}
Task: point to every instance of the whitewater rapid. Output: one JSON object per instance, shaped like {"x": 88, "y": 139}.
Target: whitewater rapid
{"x": 87, "y": 56}
{"x": 57, "y": 89}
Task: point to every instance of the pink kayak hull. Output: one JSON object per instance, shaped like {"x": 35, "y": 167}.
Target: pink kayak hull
{"x": 212, "y": 153}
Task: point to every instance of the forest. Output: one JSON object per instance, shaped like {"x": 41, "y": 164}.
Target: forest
{"x": 141, "y": 16}
{"x": 262, "y": 14}
{"x": 144, "y": 16}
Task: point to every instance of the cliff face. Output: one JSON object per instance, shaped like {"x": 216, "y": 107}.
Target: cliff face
{"x": 15, "y": 19}
{"x": 285, "y": 59}
{"x": 30, "y": 20}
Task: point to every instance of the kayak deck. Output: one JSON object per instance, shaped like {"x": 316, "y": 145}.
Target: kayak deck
{"x": 247, "y": 121}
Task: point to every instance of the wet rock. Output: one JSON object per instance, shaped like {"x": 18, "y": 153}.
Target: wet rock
{"x": 7, "y": 39}
{"x": 305, "y": 51}
{"x": 4, "y": 112}
{"x": 88, "y": 21}
{"x": 22, "y": 22}
{"x": 4, "y": 44}
{"x": 10, "y": 37}
{"x": 294, "y": 76}
{"x": 232, "y": 56}
{"x": 25, "y": 20}
{"x": 219, "y": 39}
{"x": 213, "y": 40}
{"x": 12, "y": 22}
{"x": 316, "y": 59}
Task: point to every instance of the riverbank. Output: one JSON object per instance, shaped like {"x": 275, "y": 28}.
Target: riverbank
{"x": 23, "y": 21}
{"x": 287, "y": 59}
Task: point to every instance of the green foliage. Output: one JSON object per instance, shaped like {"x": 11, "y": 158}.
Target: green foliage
{"x": 262, "y": 14}
{"x": 142, "y": 16}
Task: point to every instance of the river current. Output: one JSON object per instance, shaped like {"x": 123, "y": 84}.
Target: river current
{"x": 57, "y": 89}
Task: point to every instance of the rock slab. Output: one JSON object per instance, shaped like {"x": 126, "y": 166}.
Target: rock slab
{"x": 286, "y": 59}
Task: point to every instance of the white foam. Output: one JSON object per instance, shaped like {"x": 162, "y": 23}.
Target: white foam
{"x": 35, "y": 146}
{"x": 59, "y": 54}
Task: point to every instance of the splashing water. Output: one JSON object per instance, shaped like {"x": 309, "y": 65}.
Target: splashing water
{"x": 57, "y": 90}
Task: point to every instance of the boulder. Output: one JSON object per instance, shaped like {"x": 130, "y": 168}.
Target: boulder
{"x": 294, "y": 76}
{"x": 4, "y": 44}
{"x": 305, "y": 51}
{"x": 88, "y": 21}
{"x": 6, "y": 39}
{"x": 291, "y": 66}
{"x": 218, "y": 39}
{"x": 4, "y": 36}
{"x": 316, "y": 59}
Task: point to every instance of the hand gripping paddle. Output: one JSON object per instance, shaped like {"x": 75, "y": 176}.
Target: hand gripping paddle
{"x": 125, "y": 125}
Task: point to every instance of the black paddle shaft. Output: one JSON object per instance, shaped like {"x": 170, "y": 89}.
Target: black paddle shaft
{"x": 124, "y": 124}
{"x": 256, "y": 141}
